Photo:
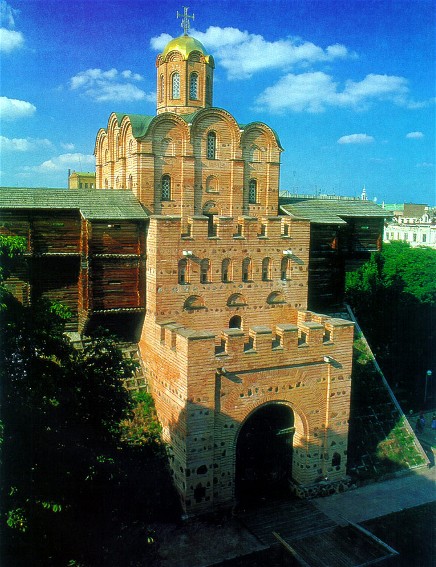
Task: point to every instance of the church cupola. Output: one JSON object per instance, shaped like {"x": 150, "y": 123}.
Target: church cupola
{"x": 184, "y": 74}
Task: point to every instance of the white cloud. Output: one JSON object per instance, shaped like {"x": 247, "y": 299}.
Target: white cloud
{"x": 10, "y": 40}
{"x": 230, "y": 47}
{"x": 356, "y": 139}
{"x": 415, "y": 135}
{"x": 62, "y": 163}
{"x": 7, "y": 14}
{"x": 12, "y": 109}
{"x": 425, "y": 164}
{"x": 23, "y": 144}
{"x": 315, "y": 91}
{"x": 67, "y": 146}
{"x": 110, "y": 85}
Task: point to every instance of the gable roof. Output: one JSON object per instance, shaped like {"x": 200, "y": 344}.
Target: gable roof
{"x": 329, "y": 210}
{"x": 93, "y": 204}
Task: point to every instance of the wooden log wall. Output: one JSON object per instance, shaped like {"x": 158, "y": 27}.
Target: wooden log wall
{"x": 55, "y": 278}
{"x": 115, "y": 283}
{"x": 119, "y": 237}
{"x": 55, "y": 233}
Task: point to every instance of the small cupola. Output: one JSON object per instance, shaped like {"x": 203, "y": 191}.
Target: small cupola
{"x": 184, "y": 74}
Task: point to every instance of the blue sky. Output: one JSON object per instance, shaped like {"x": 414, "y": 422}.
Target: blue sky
{"x": 349, "y": 86}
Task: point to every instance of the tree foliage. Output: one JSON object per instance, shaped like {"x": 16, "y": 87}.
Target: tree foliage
{"x": 71, "y": 487}
{"x": 394, "y": 298}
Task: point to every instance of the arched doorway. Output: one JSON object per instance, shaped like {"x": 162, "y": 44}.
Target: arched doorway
{"x": 264, "y": 453}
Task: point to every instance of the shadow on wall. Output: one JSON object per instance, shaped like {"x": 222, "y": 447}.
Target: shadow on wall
{"x": 226, "y": 462}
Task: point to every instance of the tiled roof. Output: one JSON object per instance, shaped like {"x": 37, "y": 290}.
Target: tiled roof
{"x": 92, "y": 203}
{"x": 139, "y": 122}
{"x": 329, "y": 211}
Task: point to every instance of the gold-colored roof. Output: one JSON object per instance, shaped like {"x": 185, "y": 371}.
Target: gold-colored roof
{"x": 185, "y": 44}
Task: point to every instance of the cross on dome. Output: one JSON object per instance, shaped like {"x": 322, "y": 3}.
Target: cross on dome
{"x": 185, "y": 20}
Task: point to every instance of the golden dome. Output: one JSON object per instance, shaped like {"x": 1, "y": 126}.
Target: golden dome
{"x": 185, "y": 44}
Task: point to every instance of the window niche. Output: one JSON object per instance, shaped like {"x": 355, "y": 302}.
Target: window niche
{"x": 166, "y": 188}
{"x": 193, "y": 86}
{"x": 247, "y": 270}
{"x": 211, "y": 145}
{"x": 175, "y": 85}
{"x": 252, "y": 191}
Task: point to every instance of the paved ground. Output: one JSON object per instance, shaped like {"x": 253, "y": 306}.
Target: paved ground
{"x": 381, "y": 498}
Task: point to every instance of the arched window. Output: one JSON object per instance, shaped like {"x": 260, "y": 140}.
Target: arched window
{"x": 246, "y": 270}
{"x": 205, "y": 271}
{"x": 252, "y": 191}
{"x": 266, "y": 269}
{"x": 175, "y": 85}
{"x": 211, "y": 145}
{"x": 285, "y": 269}
{"x": 235, "y": 322}
{"x": 236, "y": 300}
{"x": 131, "y": 147}
{"x": 275, "y": 298}
{"x": 166, "y": 188}
{"x": 161, "y": 87}
{"x": 226, "y": 270}
{"x": 183, "y": 271}
{"x": 193, "y": 86}
{"x": 194, "y": 302}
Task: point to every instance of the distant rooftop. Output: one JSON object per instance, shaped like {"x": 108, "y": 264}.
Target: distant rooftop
{"x": 93, "y": 204}
{"x": 328, "y": 209}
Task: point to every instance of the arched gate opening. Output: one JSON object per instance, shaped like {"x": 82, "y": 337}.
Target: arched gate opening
{"x": 264, "y": 453}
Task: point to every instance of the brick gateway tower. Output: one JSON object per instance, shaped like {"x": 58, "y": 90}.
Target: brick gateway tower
{"x": 235, "y": 362}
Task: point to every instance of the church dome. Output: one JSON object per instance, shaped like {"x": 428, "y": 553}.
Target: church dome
{"x": 185, "y": 44}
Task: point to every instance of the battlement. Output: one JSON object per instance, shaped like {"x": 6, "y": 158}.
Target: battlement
{"x": 312, "y": 337}
{"x": 202, "y": 228}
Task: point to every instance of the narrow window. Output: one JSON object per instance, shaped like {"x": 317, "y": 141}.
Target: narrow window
{"x": 193, "y": 86}
{"x": 204, "y": 271}
{"x": 336, "y": 460}
{"x": 424, "y": 238}
{"x": 166, "y": 188}
{"x": 284, "y": 269}
{"x": 211, "y": 145}
{"x": 285, "y": 230}
{"x": 208, "y": 91}
{"x": 252, "y": 191}
{"x": 183, "y": 271}
{"x": 262, "y": 230}
{"x": 266, "y": 269}
{"x": 226, "y": 269}
{"x": 175, "y": 85}
{"x": 162, "y": 88}
{"x": 246, "y": 270}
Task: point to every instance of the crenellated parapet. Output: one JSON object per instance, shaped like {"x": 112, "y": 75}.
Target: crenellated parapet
{"x": 292, "y": 343}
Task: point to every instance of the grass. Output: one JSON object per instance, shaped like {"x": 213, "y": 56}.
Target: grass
{"x": 379, "y": 441}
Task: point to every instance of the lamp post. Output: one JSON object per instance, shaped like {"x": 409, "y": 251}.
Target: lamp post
{"x": 427, "y": 376}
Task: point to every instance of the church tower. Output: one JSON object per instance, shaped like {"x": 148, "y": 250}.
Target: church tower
{"x": 184, "y": 74}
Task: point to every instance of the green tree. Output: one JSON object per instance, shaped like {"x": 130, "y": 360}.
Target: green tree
{"x": 394, "y": 298}
{"x": 71, "y": 488}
